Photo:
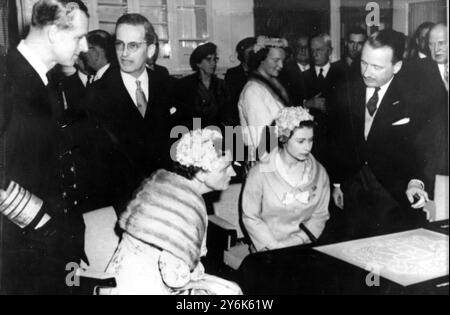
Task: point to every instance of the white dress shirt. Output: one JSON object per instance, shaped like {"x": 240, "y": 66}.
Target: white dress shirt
{"x": 37, "y": 64}
{"x": 130, "y": 84}
{"x": 325, "y": 68}
{"x": 422, "y": 55}
{"x": 101, "y": 72}
{"x": 83, "y": 77}
{"x": 303, "y": 68}
{"x": 369, "y": 94}
{"x": 441, "y": 67}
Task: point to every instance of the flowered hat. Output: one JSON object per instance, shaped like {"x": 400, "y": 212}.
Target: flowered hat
{"x": 199, "y": 148}
{"x": 290, "y": 118}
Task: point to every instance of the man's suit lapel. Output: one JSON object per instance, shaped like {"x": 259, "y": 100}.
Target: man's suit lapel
{"x": 151, "y": 95}
{"x": 385, "y": 113}
{"x": 437, "y": 75}
{"x": 359, "y": 108}
{"x": 124, "y": 100}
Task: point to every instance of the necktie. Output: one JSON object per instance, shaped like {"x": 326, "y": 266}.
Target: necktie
{"x": 141, "y": 102}
{"x": 321, "y": 77}
{"x": 372, "y": 103}
{"x": 89, "y": 81}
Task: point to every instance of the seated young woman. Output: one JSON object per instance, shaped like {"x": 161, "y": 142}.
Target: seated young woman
{"x": 165, "y": 224}
{"x": 285, "y": 198}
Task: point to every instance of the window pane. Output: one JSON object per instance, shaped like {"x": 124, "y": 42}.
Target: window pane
{"x": 187, "y": 3}
{"x": 192, "y": 23}
{"x": 156, "y": 12}
{"x": 109, "y": 12}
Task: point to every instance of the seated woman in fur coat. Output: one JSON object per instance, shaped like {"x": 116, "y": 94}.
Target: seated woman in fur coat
{"x": 286, "y": 195}
{"x": 165, "y": 224}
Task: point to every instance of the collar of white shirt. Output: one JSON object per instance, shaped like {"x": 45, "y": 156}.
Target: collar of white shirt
{"x": 34, "y": 60}
{"x": 303, "y": 67}
{"x": 422, "y": 55}
{"x": 441, "y": 67}
{"x": 101, "y": 72}
{"x": 130, "y": 84}
{"x": 83, "y": 77}
{"x": 325, "y": 68}
{"x": 381, "y": 92}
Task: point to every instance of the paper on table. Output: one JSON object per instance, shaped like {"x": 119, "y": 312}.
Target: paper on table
{"x": 441, "y": 197}
{"x": 406, "y": 258}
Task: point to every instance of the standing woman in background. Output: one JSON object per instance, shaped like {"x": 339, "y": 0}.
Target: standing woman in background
{"x": 202, "y": 94}
{"x": 263, "y": 96}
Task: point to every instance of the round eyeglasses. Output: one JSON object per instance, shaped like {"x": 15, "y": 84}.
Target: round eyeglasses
{"x": 131, "y": 46}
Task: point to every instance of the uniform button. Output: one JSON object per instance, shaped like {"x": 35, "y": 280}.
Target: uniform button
{"x": 64, "y": 194}
{"x": 72, "y": 169}
{"x": 65, "y": 211}
{"x": 75, "y": 203}
{"x": 366, "y": 163}
{"x": 75, "y": 186}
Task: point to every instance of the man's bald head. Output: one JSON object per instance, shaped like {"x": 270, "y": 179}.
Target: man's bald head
{"x": 438, "y": 43}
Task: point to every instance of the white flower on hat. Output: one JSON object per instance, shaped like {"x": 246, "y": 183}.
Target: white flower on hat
{"x": 264, "y": 41}
{"x": 198, "y": 148}
{"x": 290, "y": 118}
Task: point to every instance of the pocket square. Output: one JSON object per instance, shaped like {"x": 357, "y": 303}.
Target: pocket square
{"x": 400, "y": 122}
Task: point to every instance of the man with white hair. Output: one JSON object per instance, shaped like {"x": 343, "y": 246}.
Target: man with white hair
{"x": 432, "y": 107}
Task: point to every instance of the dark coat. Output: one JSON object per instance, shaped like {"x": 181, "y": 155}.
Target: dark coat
{"x": 235, "y": 80}
{"x": 387, "y": 160}
{"x": 196, "y": 101}
{"x": 139, "y": 145}
{"x": 294, "y": 80}
{"x": 37, "y": 158}
{"x": 430, "y": 110}
{"x": 327, "y": 88}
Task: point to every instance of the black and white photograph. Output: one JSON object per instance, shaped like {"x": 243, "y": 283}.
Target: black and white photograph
{"x": 242, "y": 149}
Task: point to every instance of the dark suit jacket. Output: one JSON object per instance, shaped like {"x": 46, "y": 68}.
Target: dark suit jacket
{"x": 36, "y": 157}
{"x": 294, "y": 81}
{"x": 388, "y": 152}
{"x": 325, "y": 121}
{"x": 428, "y": 93}
{"x": 74, "y": 90}
{"x": 235, "y": 80}
{"x": 139, "y": 145}
{"x": 430, "y": 109}
{"x": 196, "y": 101}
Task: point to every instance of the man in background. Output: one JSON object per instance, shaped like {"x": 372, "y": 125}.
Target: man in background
{"x": 100, "y": 55}
{"x": 294, "y": 71}
{"x": 131, "y": 104}
{"x": 432, "y": 111}
{"x": 354, "y": 44}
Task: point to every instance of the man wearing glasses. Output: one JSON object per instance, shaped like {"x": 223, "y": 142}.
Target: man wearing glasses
{"x": 131, "y": 104}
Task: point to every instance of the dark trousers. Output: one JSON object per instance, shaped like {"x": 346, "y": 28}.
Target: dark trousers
{"x": 370, "y": 209}
{"x": 34, "y": 262}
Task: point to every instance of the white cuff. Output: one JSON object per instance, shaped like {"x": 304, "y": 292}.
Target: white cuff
{"x": 416, "y": 183}
{"x": 336, "y": 185}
